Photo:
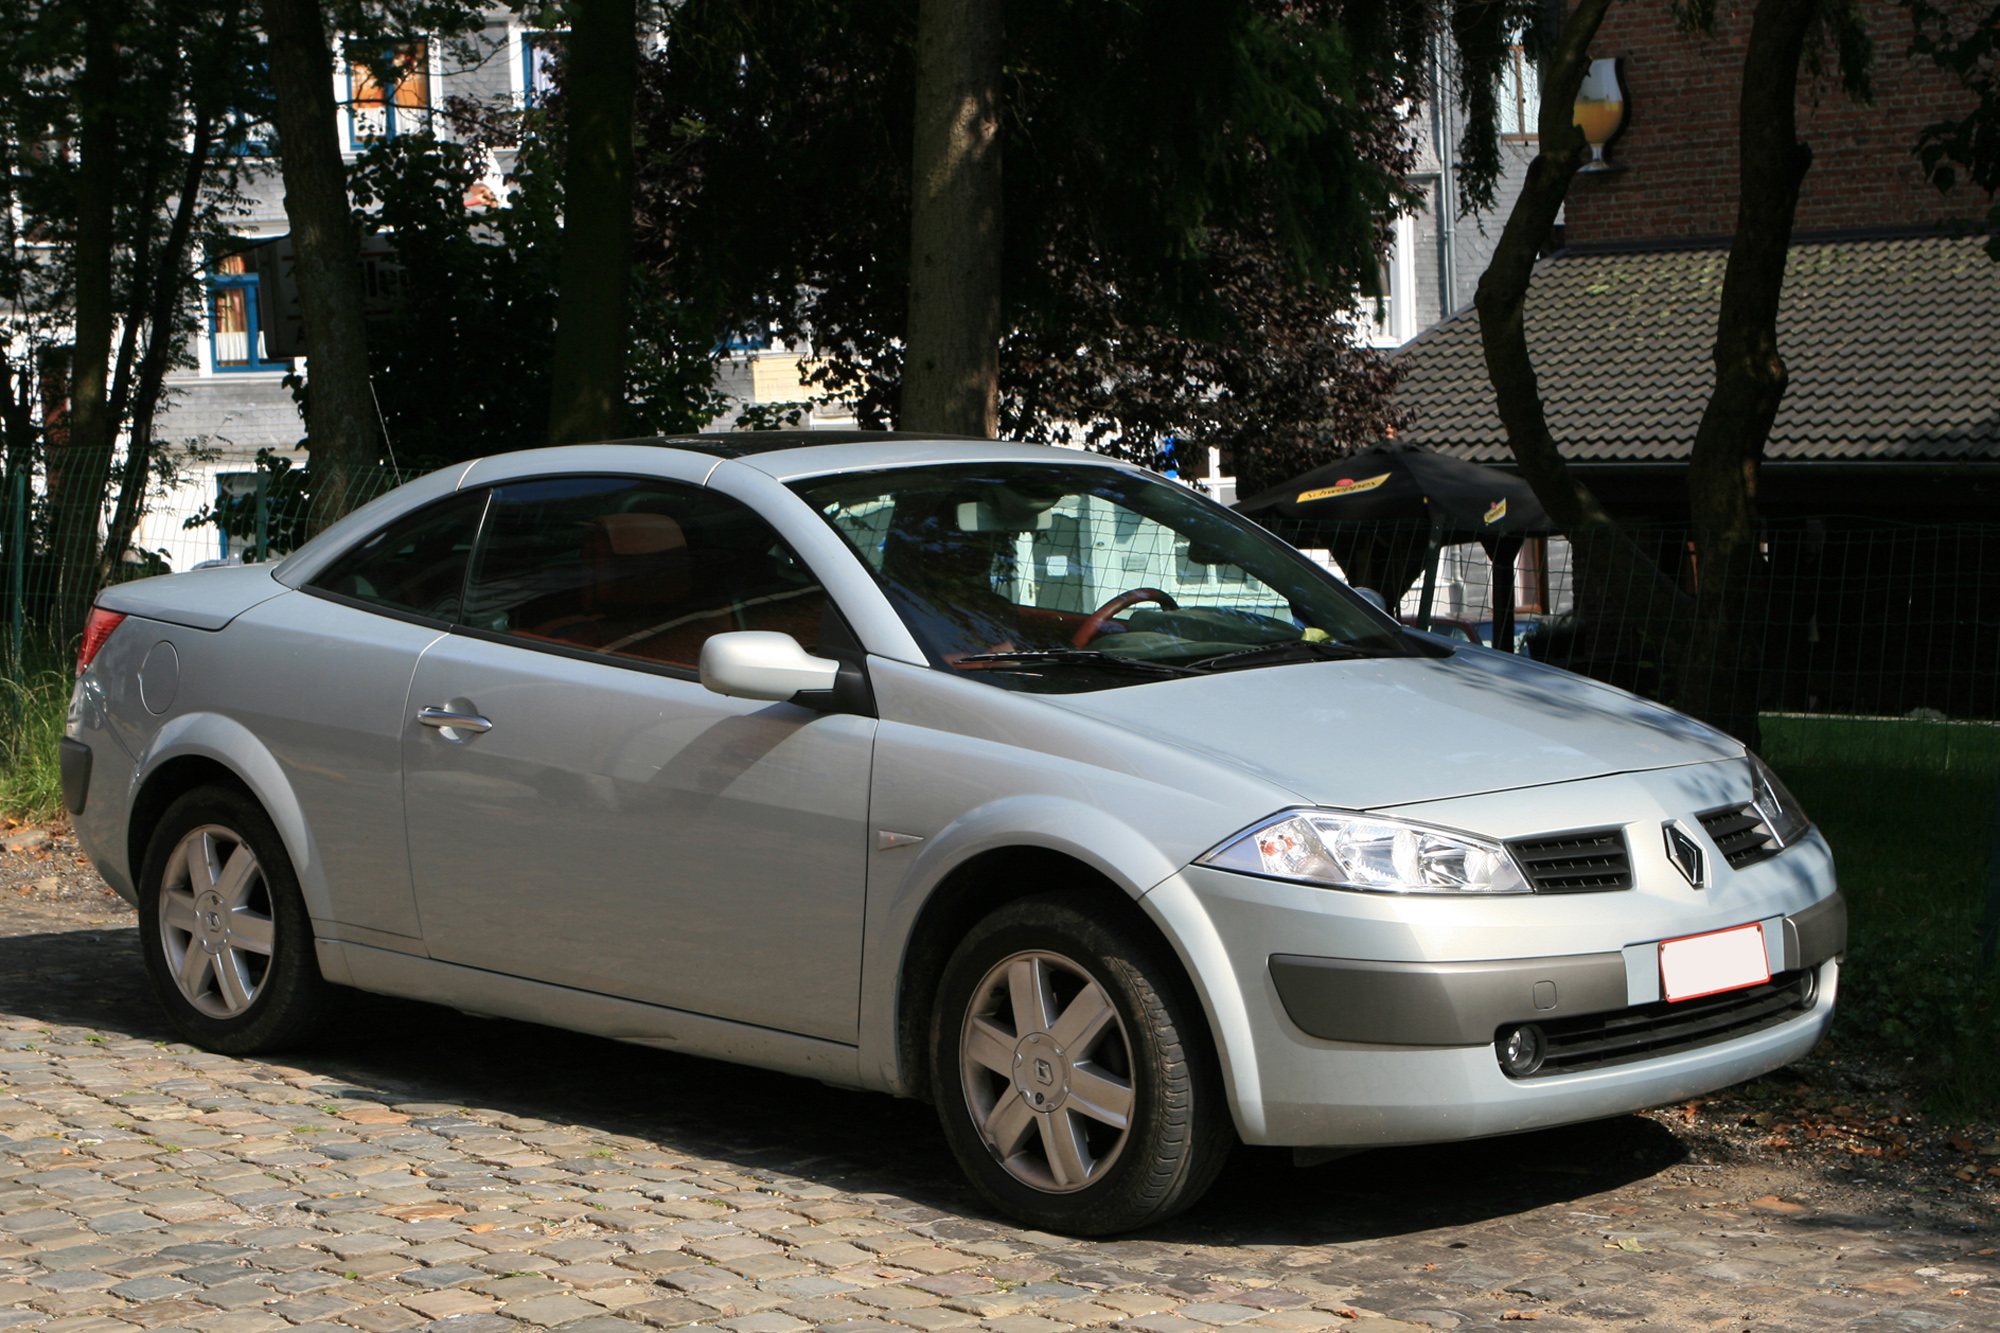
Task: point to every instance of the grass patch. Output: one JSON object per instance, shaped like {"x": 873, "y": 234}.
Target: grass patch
{"x": 1908, "y": 808}
{"x": 32, "y": 712}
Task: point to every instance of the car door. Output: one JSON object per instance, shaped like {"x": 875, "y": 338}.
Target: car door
{"x": 328, "y": 696}
{"x": 599, "y": 819}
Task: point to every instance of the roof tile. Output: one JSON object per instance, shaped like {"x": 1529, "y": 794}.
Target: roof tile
{"x": 1893, "y": 348}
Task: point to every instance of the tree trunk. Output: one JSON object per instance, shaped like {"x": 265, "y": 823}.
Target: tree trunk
{"x": 951, "y": 353}
{"x": 1720, "y": 678}
{"x": 162, "y": 300}
{"x": 76, "y": 483}
{"x": 1628, "y": 604}
{"x": 593, "y": 300}
{"x": 340, "y": 407}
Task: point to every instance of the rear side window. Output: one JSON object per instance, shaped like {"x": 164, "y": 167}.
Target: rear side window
{"x": 634, "y": 569}
{"x": 415, "y": 565}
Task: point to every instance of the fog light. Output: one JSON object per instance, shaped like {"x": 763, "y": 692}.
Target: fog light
{"x": 1809, "y": 988}
{"x": 1521, "y": 1050}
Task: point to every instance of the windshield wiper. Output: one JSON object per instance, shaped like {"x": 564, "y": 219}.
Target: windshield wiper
{"x": 1278, "y": 654}
{"x": 1091, "y": 657}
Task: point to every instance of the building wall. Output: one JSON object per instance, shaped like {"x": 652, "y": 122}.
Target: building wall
{"x": 1441, "y": 255}
{"x": 1678, "y": 148}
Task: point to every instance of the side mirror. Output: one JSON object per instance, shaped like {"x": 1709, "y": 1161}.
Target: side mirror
{"x": 762, "y": 664}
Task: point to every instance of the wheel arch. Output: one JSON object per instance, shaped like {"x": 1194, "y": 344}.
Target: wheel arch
{"x": 974, "y": 888}
{"x": 205, "y": 749}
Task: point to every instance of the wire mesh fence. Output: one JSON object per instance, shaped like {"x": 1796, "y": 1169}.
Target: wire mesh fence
{"x": 54, "y": 562}
{"x": 1844, "y": 615}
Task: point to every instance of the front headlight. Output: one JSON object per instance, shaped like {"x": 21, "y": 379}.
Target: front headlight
{"x": 1369, "y": 852}
{"x": 1781, "y": 811}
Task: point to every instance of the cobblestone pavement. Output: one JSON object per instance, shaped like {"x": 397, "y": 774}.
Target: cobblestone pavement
{"x": 424, "y": 1169}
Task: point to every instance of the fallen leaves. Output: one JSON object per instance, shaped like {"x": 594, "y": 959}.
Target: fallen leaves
{"x": 1771, "y": 1203}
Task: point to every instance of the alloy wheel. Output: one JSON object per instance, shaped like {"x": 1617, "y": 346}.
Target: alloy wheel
{"x": 1046, "y": 1065}
{"x": 215, "y": 921}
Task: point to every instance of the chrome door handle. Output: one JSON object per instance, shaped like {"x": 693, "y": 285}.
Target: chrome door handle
{"x": 432, "y": 716}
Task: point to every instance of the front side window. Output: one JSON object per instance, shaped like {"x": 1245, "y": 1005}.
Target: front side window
{"x": 415, "y": 566}
{"x": 634, "y": 569}
{"x": 1053, "y": 578}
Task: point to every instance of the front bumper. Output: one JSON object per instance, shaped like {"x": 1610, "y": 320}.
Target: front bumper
{"x": 1465, "y": 1003}
{"x": 1356, "y": 1019}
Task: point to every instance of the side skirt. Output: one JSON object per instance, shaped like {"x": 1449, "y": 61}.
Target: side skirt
{"x": 497, "y": 995}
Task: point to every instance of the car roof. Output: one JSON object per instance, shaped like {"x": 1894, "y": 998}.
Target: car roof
{"x": 792, "y": 455}
{"x": 742, "y": 443}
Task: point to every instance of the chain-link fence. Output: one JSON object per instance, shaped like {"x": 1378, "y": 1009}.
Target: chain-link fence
{"x": 1843, "y": 615}
{"x": 52, "y": 565}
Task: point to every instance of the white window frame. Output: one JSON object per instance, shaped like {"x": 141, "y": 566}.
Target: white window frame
{"x": 1398, "y": 321}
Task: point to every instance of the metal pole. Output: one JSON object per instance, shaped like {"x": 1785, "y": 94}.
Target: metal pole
{"x": 17, "y": 560}
{"x": 263, "y": 547}
{"x": 1429, "y": 595}
{"x": 1989, "y": 933}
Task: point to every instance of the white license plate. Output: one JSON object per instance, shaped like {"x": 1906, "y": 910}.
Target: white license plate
{"x": 1707, "y": 964}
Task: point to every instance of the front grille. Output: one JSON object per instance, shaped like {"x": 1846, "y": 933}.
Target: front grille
{"x": 1740, "y": 834}
{"x": 1592, "y": 861}
{"x": 1592, "y": 1041}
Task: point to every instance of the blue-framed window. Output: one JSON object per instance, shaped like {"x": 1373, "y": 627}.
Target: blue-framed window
{"x": 235, "y": 328}
{"x": 540, "y": 53}
{"x": 391, "y": 97}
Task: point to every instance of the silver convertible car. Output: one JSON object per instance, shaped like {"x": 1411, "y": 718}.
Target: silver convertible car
{"x": 1016, "y": 779}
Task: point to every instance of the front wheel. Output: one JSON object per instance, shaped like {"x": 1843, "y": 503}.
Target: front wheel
{"x": 226, "y": 937}
{"x": 1072, "y": 1073}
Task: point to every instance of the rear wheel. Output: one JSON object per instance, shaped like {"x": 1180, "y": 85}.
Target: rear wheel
{"x": 227, "y": 941}
{"x": 1072, "y": 1074}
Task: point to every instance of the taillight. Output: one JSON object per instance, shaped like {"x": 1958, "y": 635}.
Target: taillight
{"x": 95, "y": 631}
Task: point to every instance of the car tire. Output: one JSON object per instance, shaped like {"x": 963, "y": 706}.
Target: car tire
{"x": 224, "y": 930}
{"x": 1073, "y": 1071}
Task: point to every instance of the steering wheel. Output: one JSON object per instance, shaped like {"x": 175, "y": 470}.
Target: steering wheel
{"x": 1123, "y": 601}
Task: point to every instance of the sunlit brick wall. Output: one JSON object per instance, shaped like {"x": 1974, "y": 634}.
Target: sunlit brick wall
{"x": 1679, "y": 142}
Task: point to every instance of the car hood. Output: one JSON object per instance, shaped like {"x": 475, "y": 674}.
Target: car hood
{"x": 1390, "y": 731}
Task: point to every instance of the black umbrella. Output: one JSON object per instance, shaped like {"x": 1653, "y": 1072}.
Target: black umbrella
{"x": 1389, "y": 482}
{"x": 1459, "y": 501}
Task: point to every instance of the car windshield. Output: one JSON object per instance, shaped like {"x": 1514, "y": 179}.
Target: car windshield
{"x": 1058, "y": 578}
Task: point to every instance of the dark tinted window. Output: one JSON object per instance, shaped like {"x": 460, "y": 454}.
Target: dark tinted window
{"x": 416, "y": 564}
{"x": 635, "y": 568}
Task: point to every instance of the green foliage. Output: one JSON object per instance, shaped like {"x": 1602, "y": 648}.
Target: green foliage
{"x": 1157, "y": 152}
{"x": 32, "y": 712}
{"x": 461, "y": 358}
{"x": 280, "y": 505}
{"x": 460, "y": 362}
{"x": 1908, "y": 808}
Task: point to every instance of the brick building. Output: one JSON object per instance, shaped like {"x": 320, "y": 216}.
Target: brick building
{"x": 1890, "y": 326}
{"x": 1677, "y": 149}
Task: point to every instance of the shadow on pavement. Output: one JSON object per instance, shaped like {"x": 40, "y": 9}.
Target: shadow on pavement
{"x": 853, "y": 1141}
